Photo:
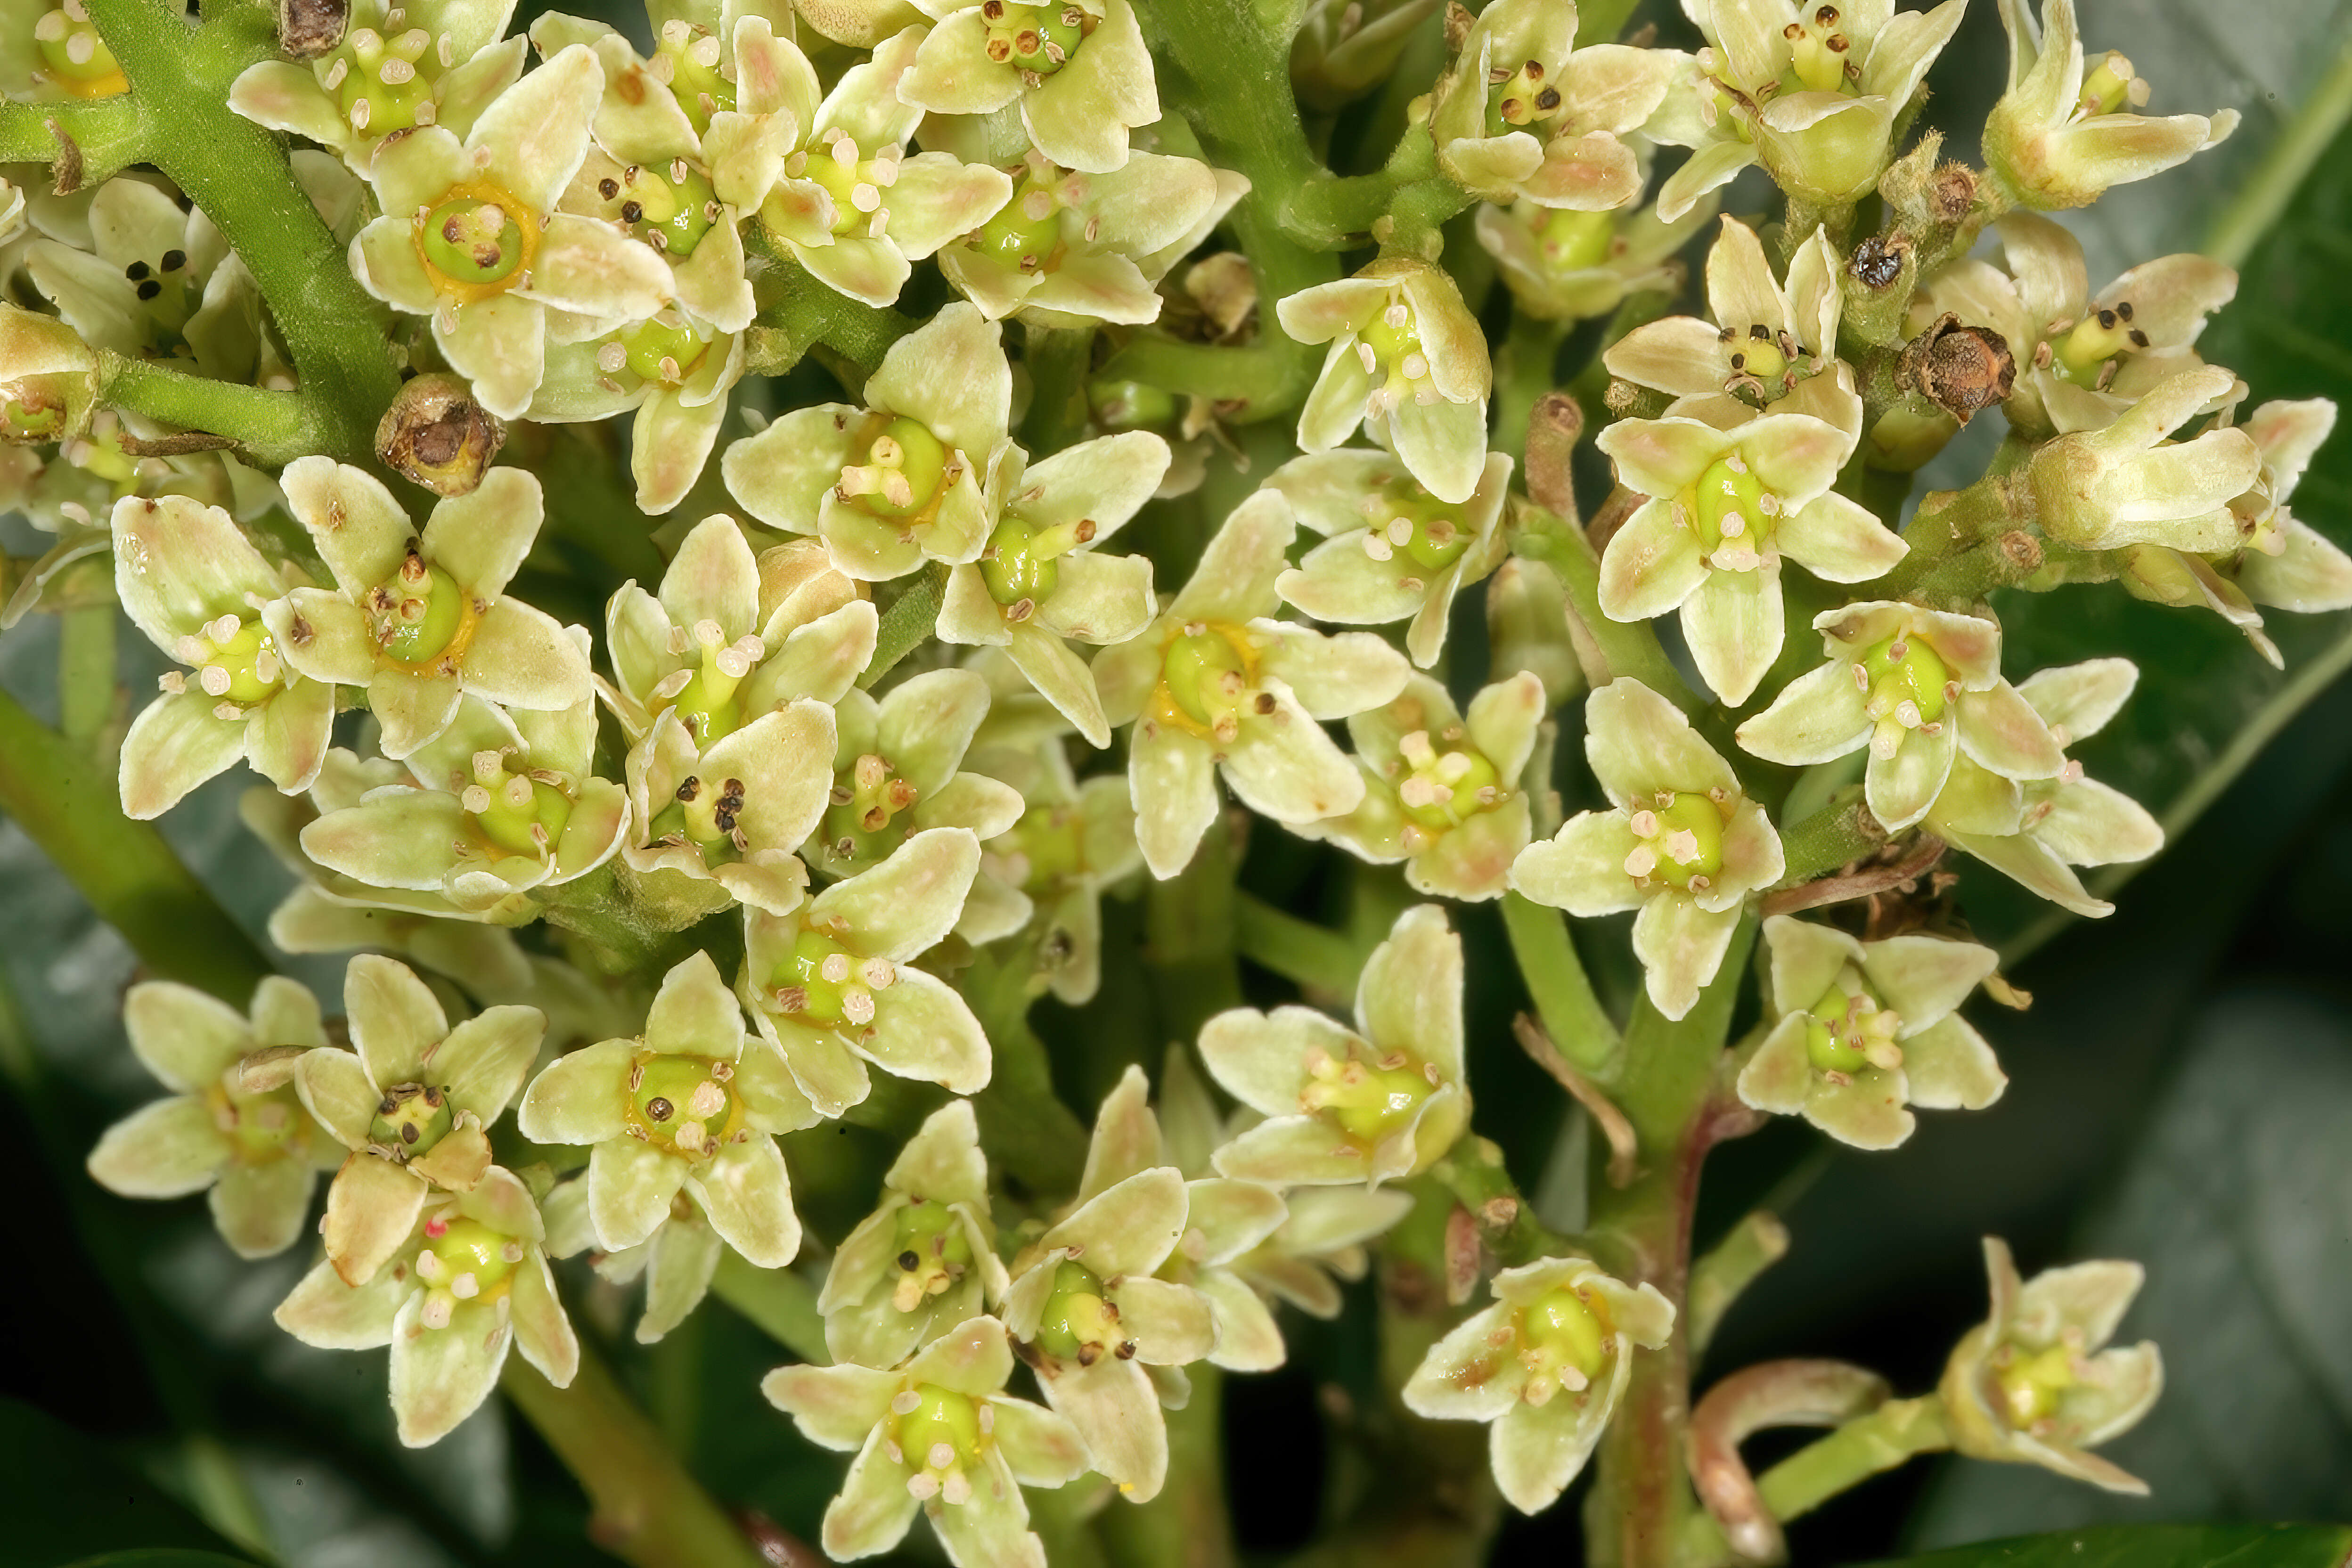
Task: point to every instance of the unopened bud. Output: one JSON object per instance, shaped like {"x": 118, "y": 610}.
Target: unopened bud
{"x": 435, "y": 433}
{"x": 309, "y": 28}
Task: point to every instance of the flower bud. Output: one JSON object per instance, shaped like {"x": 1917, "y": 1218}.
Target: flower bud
{"x": 435, "y": 433}
{"x": 1959, "y": 369}
{"x": 2102, "y": 489}
{"x": 49, "y": 377}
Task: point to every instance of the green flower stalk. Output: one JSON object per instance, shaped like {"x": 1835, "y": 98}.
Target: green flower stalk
{"x": 234, "y": 1128}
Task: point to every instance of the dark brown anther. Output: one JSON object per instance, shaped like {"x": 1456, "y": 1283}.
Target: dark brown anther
{"x": 1548, "y": 99}
{"x": 632, "y": 212}
{"x": 690, "y": 788}
{"x": 2123, "y": 309}
{"x": 2138, "y": 339}
{"x": 309, "y": 28}
{"x": 910, "y": 1261}
{"x": 1089, "y": 1353}
{"x": 660, "y": 1109}
{"x": 408, "y": 1132}
{"x": 1877, "y": 262}
{"x": 137, "y": 272}
{"x": 1959, "y": 368}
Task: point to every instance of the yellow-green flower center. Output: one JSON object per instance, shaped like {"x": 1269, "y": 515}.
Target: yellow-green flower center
{"x": 518, "y": 813}
{"x": 670, "y": 207}
{"x": 932, "y": 1252}
{"x": 1572, "y": 241}
{"x": 376, "y": 82}
{"x": 1026, "y": 231}
{"x": 234, "y": 660}
{"x": 1757, "y": 352}
{"x": 419, "y": 612}
{"x": 1444, "y": 786}
{"x": 1525, "y": 97}
{"x": 2084, "y": 355}
{"x": 681, "y": 1105}
{"x": 710, "y": 703}
{"x": 410, "y": 1120}
{"x": 854, "y": 181}
{"x": 1680, "y": 841}
{"x": 1039, "y": 39}
{"x": 1206, "y": 676}
{"x": 74, "y": 57}
{"x": 938, "y": 1433}
{"x": 1048, "y": 846}
{"x": 1389, "y": 348}
{"x": 1401, "y": 517}
{"x": 687, "y": 58}
{"x": 1821, "y": 58}
{"x": 866, "y": 796}
{"x": 2032, "y": 1384}
{"x": 906, "y": 469}
{"x": 2109, "y": 84}
{"x": 463, "y": 1260}
{"x": 706, "y": 815}
{"x": 1367, "y": 1102}
{"x": 1906, "y": 685}
{"x": 1079, "y": 1323}
{"x": 1731, "y": 512}
{"x": 1022, "y": 564}
{"x": 262, "y": 1129}
{"x": 657, "y": 351}
{"x": 1847, "y": 1029}
{"x": 1563, "y": 1342}
{"x": 473, "y": 241}
{"x": 823, "y": 980}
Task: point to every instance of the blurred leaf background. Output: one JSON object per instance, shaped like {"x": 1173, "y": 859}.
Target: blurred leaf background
{"x": 2181, "y": 1089}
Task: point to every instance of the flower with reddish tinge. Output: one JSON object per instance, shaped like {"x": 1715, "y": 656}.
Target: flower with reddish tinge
{"x": 2035, "y": 831}
{"x": 413, "y": 1103}
{"x": 1682, "y": 843}
{"x": 926, "y": 1258}
{"x": 188, "y": 577}
{"x": 2059, "y": 135}
{"x": 1077, "y": 68}
{"x": 834, "y": 984}
{"x": 1561, "y": 265}
{"x": 1216, "y": 684}
{"x": 1866, "y": 1028}
{"x": 1406, "y": 358}
{"x": 1392, "y": 549}
{"x": 1724, "y": 506}
{"x": 938, "y": 1437}
{"x": 233, "y": 1126}
{"x": 1771, "y": 346}
{"x": 1918, "y": 688}
{"x": 1545, "y": 1367}
{"x": 1441, "y": 791}
{"x": 471, "y": 237}
{"x": 420, "y": 620}
{"x": 463, "y": 1284}
{"x": 2037, "y": 1383}
{"x": 1374, "y": 1104}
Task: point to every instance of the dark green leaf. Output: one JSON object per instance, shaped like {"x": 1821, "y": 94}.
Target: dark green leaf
{"x": 66, "y": 1497}
{"x": 2156, "y": 1546}
{"x": 162, "y": 1557}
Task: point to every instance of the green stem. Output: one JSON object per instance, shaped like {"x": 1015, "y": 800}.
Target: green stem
{"x": 778, "y": 1301}
{"x": 89, "y": 140}
{"x": 1841, "y": 832}
{"x": 1758, "y": 1241}
{"x": 1027, "y": 1133}
{"x": 86, "y": 684}
{"x": 238, "y": 173}
{"x": 1523, "y": 373}
{"x": 1317, "y": 959}
{"x": 1248, "y": 381}
{"x": 1188, "y": 1524}
{"x": 798, "y": 314}
{"x": 1856, "y": 1451}
{"x": 66, "y": 800}
{"x": 1057, "y": 359}
{"x": 269, "y": 427}
{"x": 1338, "y": 214}
{"x": 1571, "y": 1014}
{"x": 1188, "y": 932}
{"x": 645, "y": 1508}
{"x": 1625, "y": 648}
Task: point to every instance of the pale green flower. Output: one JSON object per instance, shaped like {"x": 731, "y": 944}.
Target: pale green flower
{"x": 1374, "y": 1104}
{"x": 1406, "y": 357}
{"x": 1682, "y": 843}
{"x": 503, "y": 804}
{"x": 898, "y": 771}
{"x": 925, "y": 1260}
{"x": 1077, "y": 68}
{"x": 470, "y": 1281}
{"x": 414, "y": 1105}
{"x": 1866, "y": 1028}
{"x": 1918, "y": 688}
{"x": 1442, "y": 792}
{"x": 2128, "y": 483}
{"x": 855, "y": 206}
{"x": 2037, "y": 1382}
{"x": 1724, "y": 508}
{"x": 939, "y": 1436}
{"x": 2060, "y": 137}
{"x": 1392, "y": 549}
{"x": 2286, "y": 562}
{"x": 1039, "y": 586}
{"x": 417, "y": 621}
{"x": 1073, "y": 841}
{"x": 719, "y": 824}
{"x": 1525, "y": 114}
{"x": 674, "y": 371}
{"x": 233, "y": 1128}
{"x": 187, "y": 577}
{"x": 1562, "y": 265}
{"x": 1810, "y": 91}
{"x": 400, "y": 66}
{"x": 690, "y": 1106}
{"x": 471, "y": 237}
{"x": 914, "y": 476}
{"x": 1545, "y": 1366}
{"x": 1216, "y": 684}
{"x": 836, "y": 987}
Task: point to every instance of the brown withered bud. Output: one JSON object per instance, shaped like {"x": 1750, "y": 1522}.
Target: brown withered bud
{"x": 1877, "y": 262}
{"x": 1952, "y": 195}
{"x": 435, "y": 433}
{"x": 1457, "y": 26}
{"x": 1959, "y": 368}
{"x": 309, "y": 28}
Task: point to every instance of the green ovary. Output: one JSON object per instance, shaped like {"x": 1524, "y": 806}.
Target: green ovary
{"x": 1731, "y": 512}
{"x": 2108, "y": 86}
{"x": 1023, "y": 560}
{"x": 1524, "y": 98}
{"x": 2081, "y": 355}
{"x": 1204, "y": 676}
{"x": 855, "y": 182}
{"x": 1563, "y": 1342}
{"x": 930, "y": 1252}
{"x": 473, "y": 242}
{"x": 463, "y": 1260}
{"x": 874, "y": 796}
{"x": 1077, "y": 1323}
{"x": 1446, "y": 788}
{"x": 1573, "y": 241}
{"x": 2033, "y": 1384}
{"x": 821, "y": 982}
{"x": 1367, "y": 1102}
{"x": 1681, "y": 842}
{"x": 904, "y": 471}
{"x": 235, "y": 661}
{"x": 681, "y": 1104}
{"x": 515, "y": 812}
{"x": 1909, "y": 683}
{"x": 74, "y": 57}
{"x": 670, "y": 209}
{"x": 263, "y": 1128}
{"x": 1819, "y": 53}
{"x": 1026, "y": 231}
{"x": 1405, "y": 519}
{"x": 710, "y": 703}
{"x": 1847, "y": 1029}
{"x": 939, "y": 1432}
{"x": 657, "y": 351}
{"x": 410, "y": 1120}
{"x": 417, "y": 612}
{"x": 1038, "y": 38}
{"x": 376, "y": 82}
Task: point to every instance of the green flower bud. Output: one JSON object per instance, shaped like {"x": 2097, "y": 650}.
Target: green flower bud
{"x": 1573, "y": 241}
{"x": 1681, "y": 842}
{"x": 1563, "y": 1342}
{"x": 1131, "y": 406}
{"x": 1077, "y": 1323}
{"x": 904, "y": 472}
{"x": 74, "y": 57}
{"x": 932, "y": 1252}
{"x": 681, "y": 1105}
{"x": 1038, "y": 38}
{"x": 410, "y": 1120}
{"x": 419, "y": 614}
{"x": 375, "y": 79}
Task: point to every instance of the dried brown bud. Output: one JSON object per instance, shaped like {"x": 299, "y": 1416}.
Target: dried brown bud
{"x": 1959, "y": 368}
{"x": 1952, "y": 195}
{"x": 1458, "y": 21}
{"x": 309, "y": 28}
{"x": 1877, "y": 262}
{"x": 435, "y": 433}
